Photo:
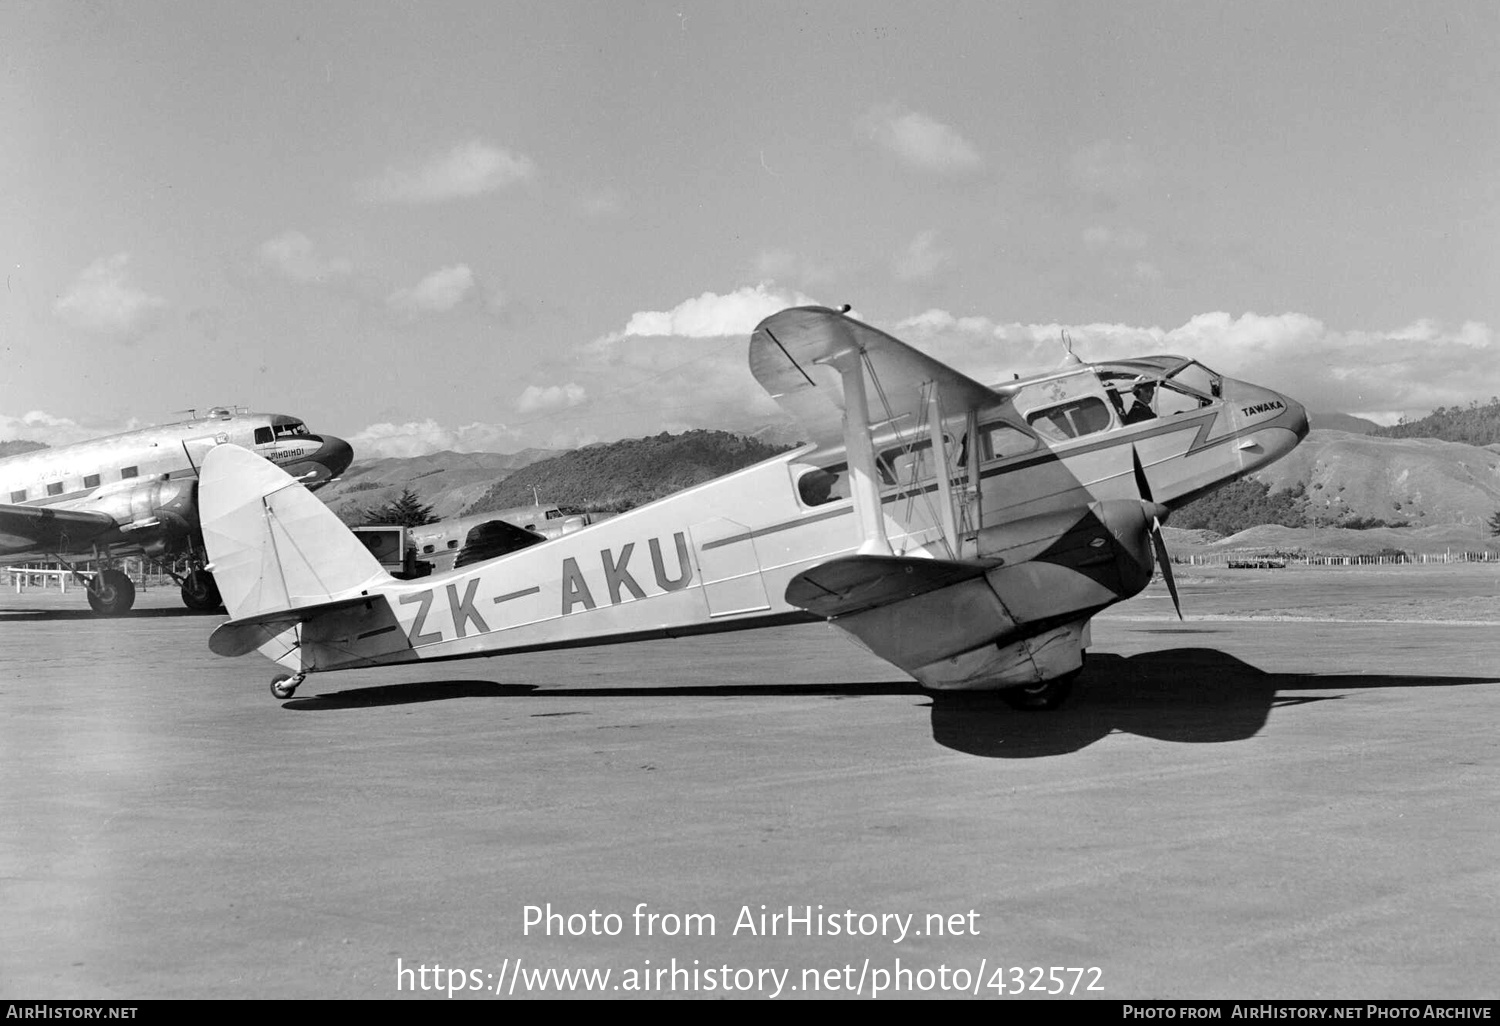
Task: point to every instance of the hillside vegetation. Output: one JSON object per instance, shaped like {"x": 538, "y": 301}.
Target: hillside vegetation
{"x": 616, "y": 476}
{"x": 16, "y": 446}
{"x": 1473, "y": 424}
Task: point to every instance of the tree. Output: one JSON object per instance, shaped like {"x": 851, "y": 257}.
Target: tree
{"x": 407, "y": 511}
{"x": 1495, "y": 523}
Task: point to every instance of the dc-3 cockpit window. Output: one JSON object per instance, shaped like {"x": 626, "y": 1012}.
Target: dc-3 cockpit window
{"x": 291, "y": 430}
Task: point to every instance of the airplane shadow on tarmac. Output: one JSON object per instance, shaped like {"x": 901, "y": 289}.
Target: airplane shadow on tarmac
{"x": 15, "y": 615}
{"x": 1189, "y": 695}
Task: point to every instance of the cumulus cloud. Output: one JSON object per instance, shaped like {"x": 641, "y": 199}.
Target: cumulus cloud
{"x": 294, "y": 255}
{"x": 40, "y": 426}
{"x": 711, "y": 315}
{"x": 554, "y": 397}
{"x": 418, "y": 438}
{"x": 467, "y": 170}
{"x": 1410, "y": 369}
{"x": 440, "y": 291}
{"x": 918, "y": 140}
{"x": 101, "y": 299}
{"x": 920, "y": 259}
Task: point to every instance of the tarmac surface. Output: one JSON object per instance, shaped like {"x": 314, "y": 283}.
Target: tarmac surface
{"x": 1226, "y": 808}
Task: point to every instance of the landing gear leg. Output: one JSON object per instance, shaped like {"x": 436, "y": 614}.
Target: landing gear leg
{"x": 284, "y": 685}
{"x": 111, "y": 593}
{"x": 200, "y": 591}
{"x": 1047, "y": 695}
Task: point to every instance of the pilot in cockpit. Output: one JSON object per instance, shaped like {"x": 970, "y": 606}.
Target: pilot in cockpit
{"x": 1142, "y": 395}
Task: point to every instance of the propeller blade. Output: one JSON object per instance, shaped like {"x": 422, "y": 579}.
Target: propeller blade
{"x": 1164, "y": 560}
{"x": 1141, "y": 484}
{"x": 1158, "y": 543}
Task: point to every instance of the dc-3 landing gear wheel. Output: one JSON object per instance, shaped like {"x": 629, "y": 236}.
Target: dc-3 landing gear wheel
{"x": 1041, "y": 697}
{"x": 111, "y": 593}
{"x": 284, "y": 685}
{"x": 200, "y": 591}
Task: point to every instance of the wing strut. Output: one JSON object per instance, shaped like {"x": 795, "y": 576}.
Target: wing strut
{"x": 864, "y": 486}
{"x": 940, "y": 466}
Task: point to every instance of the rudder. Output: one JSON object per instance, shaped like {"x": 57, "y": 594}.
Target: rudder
{"x": 271, "y": 544}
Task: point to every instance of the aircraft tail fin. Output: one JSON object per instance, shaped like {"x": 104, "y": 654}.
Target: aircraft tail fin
{"x": 271, "y": 544}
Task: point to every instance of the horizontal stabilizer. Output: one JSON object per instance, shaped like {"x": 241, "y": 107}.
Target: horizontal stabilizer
{"x": 243, "y": 636}
{"x": 850, "y": 584}
{"x": 789, "y": 353}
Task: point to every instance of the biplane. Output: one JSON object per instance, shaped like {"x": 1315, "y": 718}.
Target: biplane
{"x": 965, "y": 533}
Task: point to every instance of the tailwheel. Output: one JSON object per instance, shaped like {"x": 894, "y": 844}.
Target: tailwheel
{"x": 111, "y": 593}
{"x": 284, "y": 685}
{"x": 200, "y": 591}
{"x": 1047, "y": 695}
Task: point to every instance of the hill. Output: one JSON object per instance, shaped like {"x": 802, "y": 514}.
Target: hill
{"x": 16, "y": 446}
{"x": 1342, "y": 422}
{"x": 1422, "y": 481}
{"x": 447, "y": 481}
{"x": 1473, "y": 424}
{"x": 616, "y": 476}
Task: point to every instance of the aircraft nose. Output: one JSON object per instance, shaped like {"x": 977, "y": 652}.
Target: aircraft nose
{"x": 328, "y": 461}
{"x": 1295, "y": 418}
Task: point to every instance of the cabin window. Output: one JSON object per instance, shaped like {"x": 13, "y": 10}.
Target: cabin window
{"x": 997, "y": 441}
{"x": 18, "y": 496}
{"x": 553, "y": 514}
{"x": 55, "y": 488}
{"x": 1071, "y": 419}
{"x": 823, "y": 485}
{"x": 263, "y": 436}
{"x": 128, "y": 472}
{"x": 91, "y": 481}
{"x": 453, "y": 543}
{"x": 427, "y": 549}
{"x": 1170, "y": 400}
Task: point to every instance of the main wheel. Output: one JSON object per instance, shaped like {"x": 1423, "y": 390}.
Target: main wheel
{"x": 200, "y": 591}
{"x": 1049, "y": 694}
{"x": 284, "y": 685}
{"x": 111, "y": 593}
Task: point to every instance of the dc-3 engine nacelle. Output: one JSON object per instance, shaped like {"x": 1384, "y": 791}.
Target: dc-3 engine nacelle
{"x": 159, "y": 504}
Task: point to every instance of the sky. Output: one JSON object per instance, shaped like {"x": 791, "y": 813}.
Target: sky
{"x": 491, "y": 226}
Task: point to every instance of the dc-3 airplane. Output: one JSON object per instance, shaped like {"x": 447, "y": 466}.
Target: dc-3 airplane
{"x": 965, "y": 534}
{"x": 137, "y": 494}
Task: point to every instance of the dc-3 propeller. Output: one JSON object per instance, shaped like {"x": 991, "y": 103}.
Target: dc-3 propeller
{"x": 1158, "y": 543}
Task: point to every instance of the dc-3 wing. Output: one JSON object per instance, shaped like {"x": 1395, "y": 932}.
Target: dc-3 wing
{"x": 44, "y": 529}
{"x": 791, "y": 355}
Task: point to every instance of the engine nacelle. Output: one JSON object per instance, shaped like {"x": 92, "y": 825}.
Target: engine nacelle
{"x": 157, "y": 513}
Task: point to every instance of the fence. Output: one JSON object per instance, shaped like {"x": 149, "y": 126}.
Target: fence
{"x": 1405, "y": 558}
{"x": 43, "y": 574}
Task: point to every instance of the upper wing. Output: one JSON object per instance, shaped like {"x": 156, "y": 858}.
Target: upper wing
{"x": 46, "y": 530}
{"x": 789, "y": 353}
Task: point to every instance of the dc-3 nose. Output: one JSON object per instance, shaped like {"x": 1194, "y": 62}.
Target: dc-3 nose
{"x": 328, "y": 461}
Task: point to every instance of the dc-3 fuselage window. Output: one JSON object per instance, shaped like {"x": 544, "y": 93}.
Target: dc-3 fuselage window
{"x": 91, "y": 481}
{"x": 127, "y": 472}
{"x": 18, "y": 496}
{"x": 55, "y": 488}
{"x": 263, "y": 436}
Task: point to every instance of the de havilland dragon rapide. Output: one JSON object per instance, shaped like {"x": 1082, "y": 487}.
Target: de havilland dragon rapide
{"x": 964, "y": 533}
